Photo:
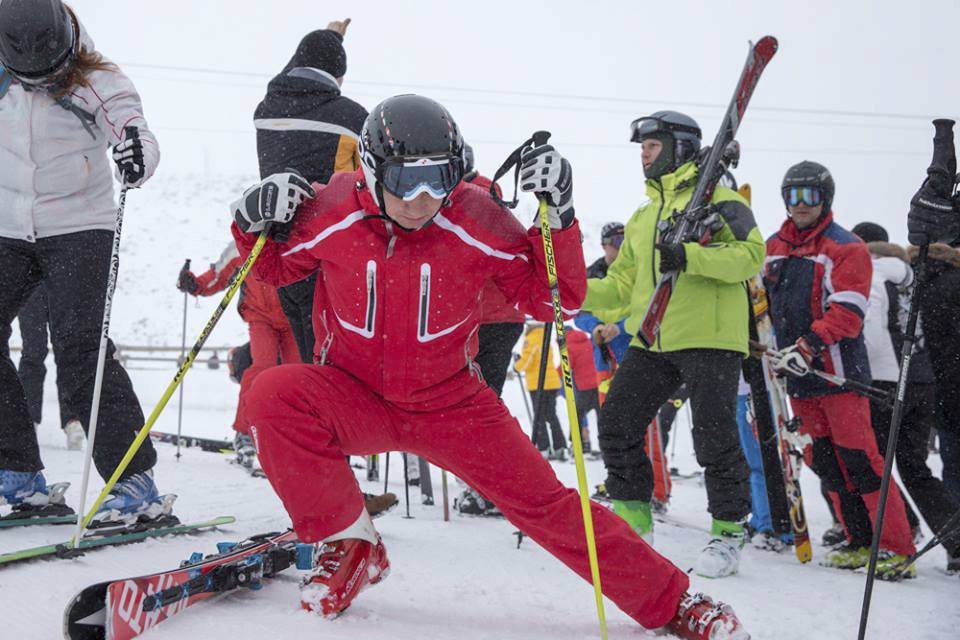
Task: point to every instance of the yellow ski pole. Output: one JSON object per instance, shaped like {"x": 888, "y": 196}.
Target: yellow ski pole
{"x": 177, "y": 379}
{"x": 540, "y": 138}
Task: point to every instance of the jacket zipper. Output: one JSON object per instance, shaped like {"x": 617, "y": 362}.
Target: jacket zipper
{"x": 653, "y": 250}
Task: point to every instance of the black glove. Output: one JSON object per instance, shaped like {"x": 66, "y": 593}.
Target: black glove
{"x": 549, "y": 176}
{"x": 187, "y": 282}
{"x": 128, "y": 155}
{"x": 933, "y": 217}
{"x": 673, "y": 257}
{"x": 273, "y": 201}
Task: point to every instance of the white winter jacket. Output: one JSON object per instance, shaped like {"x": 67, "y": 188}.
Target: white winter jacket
{"x": 55, "y": 175}
{"x": 884, "y": 364}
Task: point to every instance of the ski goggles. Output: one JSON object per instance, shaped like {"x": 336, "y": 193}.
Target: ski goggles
{"x": 644, "y": 127}
{"x": 810, "y": 196}
{"x": 613, "y": 241}
{"x": 408, "y": 178}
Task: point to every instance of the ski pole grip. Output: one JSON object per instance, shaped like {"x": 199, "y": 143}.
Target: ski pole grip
{"x": 540, "y": 138}
{"x": 943, "y": 166}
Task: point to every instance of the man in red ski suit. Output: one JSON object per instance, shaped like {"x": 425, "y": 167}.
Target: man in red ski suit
{"x": 818, "y": 277}
{"x": 404, "y": 249}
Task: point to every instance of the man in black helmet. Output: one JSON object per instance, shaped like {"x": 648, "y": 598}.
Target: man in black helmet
{"x": 703, "y": 338}
{"x": 405, "y": 247}
{"x": 817, "y": 275}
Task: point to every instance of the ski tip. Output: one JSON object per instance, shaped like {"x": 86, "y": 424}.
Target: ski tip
{"x": 767, "y": 46}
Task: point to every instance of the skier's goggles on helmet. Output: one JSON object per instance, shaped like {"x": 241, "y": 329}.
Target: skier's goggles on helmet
{"x": 642, "y": 128}
{"x": 408, "y": 178}
{"x": 615, "y": 240}
{"x": 810, "y": 196}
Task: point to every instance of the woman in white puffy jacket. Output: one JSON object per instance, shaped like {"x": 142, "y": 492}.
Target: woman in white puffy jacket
{"x": 63, "y": 108}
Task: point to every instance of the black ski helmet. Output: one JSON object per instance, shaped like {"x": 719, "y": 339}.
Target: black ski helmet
{"x": 37, "y": 38}
{"x": 679, "y": 133}
{"x": 468, "y": 158}
{"x": 811, "y": 174}
{"x": 410, "y": 128}
{"x": 610, "y": 230}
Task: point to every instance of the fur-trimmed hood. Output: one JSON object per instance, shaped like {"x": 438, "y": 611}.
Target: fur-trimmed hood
{"x": 938, "y": 251}
{"x": 887, "y": 250}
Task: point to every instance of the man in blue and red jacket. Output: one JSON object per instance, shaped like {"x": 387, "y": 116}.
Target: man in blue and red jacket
{"x": 818, "y": 277}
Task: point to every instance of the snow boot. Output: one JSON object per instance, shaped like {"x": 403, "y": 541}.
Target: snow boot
{"x": 379, "y": 505}
{"x": 953, "y": 563}
{"x": 471, "y": 503}
{"x": 638, "y": 515}
{"x": 343, "y": 567}
{"x": 894, "y": 567}
{"x": 658, "y": 507}
{"x": 246, "y": 451}
{"x": 73, "y": 431}
{"x": 23, "y": 487}
{"x": 134, "y": 500}
{"x": 558, "y": 455}
{"x": 769, "y": 541}
{"x": 721, "y": 557}
{"x": 700, "y": 618}
{"x": 847, "y": 556}
{"x": 834, "y": 536}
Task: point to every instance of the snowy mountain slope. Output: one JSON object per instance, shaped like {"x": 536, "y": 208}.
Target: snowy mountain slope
{"x": 464, "y": 577}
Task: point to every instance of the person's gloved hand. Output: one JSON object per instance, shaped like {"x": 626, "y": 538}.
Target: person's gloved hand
{"x": 187, "y": 282}
{"x": 933, "y": 217}
{"x": 673, "y": 257}
{"x": 548, "y": 175}
{"x": 273, "y": 201}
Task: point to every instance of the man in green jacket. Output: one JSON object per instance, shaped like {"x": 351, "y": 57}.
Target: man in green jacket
{"x": 703, "y": 338}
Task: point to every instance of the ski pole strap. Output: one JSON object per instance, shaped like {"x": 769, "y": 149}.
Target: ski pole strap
{"x": 513, "y": 162}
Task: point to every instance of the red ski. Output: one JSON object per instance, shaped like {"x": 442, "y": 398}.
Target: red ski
{"x": 123, "y": 609}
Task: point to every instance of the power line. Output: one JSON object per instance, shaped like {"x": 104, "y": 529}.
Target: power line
{"x": 555, "y": 96}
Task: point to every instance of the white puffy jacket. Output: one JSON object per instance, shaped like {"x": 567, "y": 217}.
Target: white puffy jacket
{"x": 884, "y": 363}
{"x": 55, "y": 177}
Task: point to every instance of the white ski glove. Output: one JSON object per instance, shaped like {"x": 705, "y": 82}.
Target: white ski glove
{"x": 134, "y": 167}
{"x": 273, "y": 201}
{"x": 795, "y": 360}
{"x": 548, "y": 175}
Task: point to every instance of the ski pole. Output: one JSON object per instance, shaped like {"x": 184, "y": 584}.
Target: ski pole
{"x": 446, "y": 496}
{"x": 540, "y": 138}
{"x": 183, "y": 353}
{"x": 850, "y": 385}
{"x": 165, "y": 398}
{"x": 539, "y": 402}
{"x": 941, "y": 172}
{"x": 526, "y": 401}
{"x": 102, "y": 355}
{"x": 406, "y": 483}
{"x": 386, "y": 472}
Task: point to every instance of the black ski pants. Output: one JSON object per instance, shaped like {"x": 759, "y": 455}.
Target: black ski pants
{"x": 493, "y": 355}
{"x": 31, "y": 368}
{"x": 544, "y": 416}
{"x": 296, "y": 300}
{"x": 73, "y": 268}
{"x": 936, "y": 504}
{"x": 643, "y": 382}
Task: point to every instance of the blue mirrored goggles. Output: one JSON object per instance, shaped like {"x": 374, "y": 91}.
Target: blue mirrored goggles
{"x": 407, "y": 179}
{"x": 810, "y": 196}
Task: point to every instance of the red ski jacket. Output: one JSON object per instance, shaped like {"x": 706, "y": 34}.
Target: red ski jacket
{"x": 399, "y": 310}
{"x": 818, "y": 281}
{"x": 580, "y": 350}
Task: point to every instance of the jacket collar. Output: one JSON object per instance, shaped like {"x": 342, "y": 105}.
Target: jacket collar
{"x": 670, "y": 184}
{"x": 790, "y": 233}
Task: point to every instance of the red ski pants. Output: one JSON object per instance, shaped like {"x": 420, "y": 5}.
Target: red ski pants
{"x": 268, "y": 344}
{"x": 307, "y": 418}
{"x": 845, "y": 451}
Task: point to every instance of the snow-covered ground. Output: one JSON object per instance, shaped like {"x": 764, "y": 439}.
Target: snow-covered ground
{"x": 463, "y": 577}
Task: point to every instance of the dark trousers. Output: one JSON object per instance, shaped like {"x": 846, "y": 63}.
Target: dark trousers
{"x": 545, "y": 413}
{"x": 31, "y": 369}
{"x": 643, "y": 382}
{"x": 297, "y": 302}
{"x": 496, "y": 346}
{"x": 935, "y": 502}
{"x": 73, "y": 269}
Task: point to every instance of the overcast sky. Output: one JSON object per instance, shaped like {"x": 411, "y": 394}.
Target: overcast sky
{"x": 854, "y": 85}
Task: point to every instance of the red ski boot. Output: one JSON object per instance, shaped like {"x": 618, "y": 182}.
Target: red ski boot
{"x": 342, "y": 569}
{"x": 700, "y": 618}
